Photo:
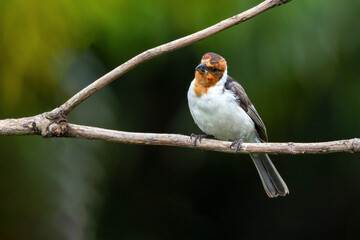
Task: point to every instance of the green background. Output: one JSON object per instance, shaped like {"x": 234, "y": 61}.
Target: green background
{"x": 299, "y": 64}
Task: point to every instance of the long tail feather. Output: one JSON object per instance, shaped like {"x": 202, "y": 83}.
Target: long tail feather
{"x": 273, "y": 184}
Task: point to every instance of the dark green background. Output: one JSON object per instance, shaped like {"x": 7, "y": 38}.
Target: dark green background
{"x": 299, "y": 64}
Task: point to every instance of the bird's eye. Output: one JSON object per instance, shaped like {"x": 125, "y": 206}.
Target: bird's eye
{"x": 215, "y": 70}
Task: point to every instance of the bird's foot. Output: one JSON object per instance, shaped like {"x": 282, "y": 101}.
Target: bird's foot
{"x": 237, "y": 144}
{"x": 199, "y": 137}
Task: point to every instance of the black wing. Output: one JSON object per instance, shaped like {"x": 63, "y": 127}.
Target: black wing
{"x": 245, "y": 103}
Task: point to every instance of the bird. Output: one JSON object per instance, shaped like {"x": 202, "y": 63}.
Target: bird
{"x": 221, "y": 108}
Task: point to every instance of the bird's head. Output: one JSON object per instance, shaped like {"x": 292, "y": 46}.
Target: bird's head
{"x": 209, "y": 72}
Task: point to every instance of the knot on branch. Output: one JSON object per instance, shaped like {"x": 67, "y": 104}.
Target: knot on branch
{"x": 57, "y": 129}
{"x": 57, "y": 115}
{"x": 355, "y": 145}
{"x": 55, "y": 125}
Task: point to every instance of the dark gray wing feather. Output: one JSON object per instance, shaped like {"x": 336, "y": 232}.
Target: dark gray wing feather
{"x": 245, "y": 103}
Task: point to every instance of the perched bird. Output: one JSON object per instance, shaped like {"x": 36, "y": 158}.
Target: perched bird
{"x": 221, "y": 109}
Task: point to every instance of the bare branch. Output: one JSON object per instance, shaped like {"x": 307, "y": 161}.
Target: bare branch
{"x": 177, "y": 140}
{"x": 43, "y": 124}
{"x": 78, "y": 98}
{"x": 19, "y": 126}
{"x": 39, "y": 125}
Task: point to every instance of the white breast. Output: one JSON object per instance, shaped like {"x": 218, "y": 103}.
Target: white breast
{"x": 219, "y": 114}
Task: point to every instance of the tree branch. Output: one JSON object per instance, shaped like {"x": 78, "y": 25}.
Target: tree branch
{"x": 177, "y": 140}
{"x": 78, "y": 98}
{"x": 39, "y": 125}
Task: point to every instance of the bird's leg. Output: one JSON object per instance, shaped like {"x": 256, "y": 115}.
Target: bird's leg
{"x": 198, "y": 137}
{"x": 237, "y": 143}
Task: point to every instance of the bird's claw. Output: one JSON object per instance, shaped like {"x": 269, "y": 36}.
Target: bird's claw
{"x": 198, "y": 137}
{"x": 237, "y": 144}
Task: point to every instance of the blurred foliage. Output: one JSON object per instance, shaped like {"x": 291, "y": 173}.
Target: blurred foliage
{"x": 299, "y": 64}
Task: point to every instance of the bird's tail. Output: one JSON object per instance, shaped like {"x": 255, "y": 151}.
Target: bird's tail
{"x": 273, "y": 184}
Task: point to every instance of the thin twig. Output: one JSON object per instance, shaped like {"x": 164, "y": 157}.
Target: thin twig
{"x": 78, "y": 98}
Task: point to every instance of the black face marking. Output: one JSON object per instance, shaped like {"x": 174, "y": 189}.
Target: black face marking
{"x": 214, "y": 70}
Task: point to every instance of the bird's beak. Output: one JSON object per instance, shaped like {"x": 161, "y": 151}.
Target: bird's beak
{"x": 201, "y": 68}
